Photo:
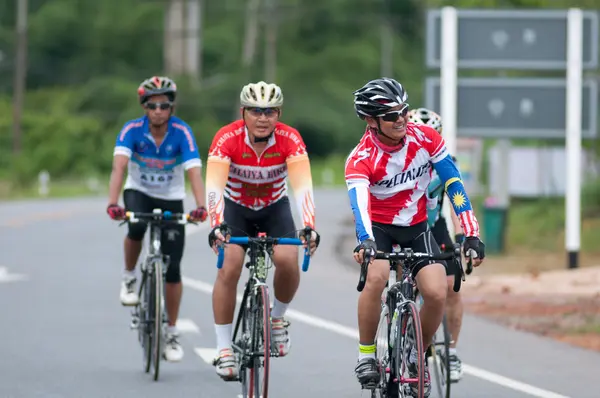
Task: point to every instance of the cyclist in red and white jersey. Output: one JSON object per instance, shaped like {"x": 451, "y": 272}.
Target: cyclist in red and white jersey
{"x": 248, "y": 163}
{"x": 387, "y": 175}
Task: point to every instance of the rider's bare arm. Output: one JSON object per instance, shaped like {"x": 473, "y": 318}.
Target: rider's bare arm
{"x": 197, "y": 183}
{"x": 122, "y": 153}
{"x": 192, "y": 164}
{"x": 116, "y": 178}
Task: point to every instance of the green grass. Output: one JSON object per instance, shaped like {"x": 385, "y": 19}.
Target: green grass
{"x": 64, "y": 188}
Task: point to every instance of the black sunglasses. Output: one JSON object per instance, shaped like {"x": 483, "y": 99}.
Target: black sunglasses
{"x": 162, "y": 105}
{"x": 394, "y": 115}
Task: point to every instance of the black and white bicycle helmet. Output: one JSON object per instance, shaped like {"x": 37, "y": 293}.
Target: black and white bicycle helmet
{"x": 378, "y": 96}
{"x": 427, "y": 117}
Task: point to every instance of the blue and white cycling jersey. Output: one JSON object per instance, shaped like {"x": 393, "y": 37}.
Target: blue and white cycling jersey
{"x": 158, "y": 171}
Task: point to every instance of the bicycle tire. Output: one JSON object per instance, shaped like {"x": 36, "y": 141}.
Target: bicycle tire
{"x": 261, "y": 331}
{"x": 240, "y": 341}
{"x": 409, "y": 318}
{"x": 157, "y": 290}
{"x": 382, "y": 353}
{"x": 439, "y": 351}
{"x": 143, "y": 326}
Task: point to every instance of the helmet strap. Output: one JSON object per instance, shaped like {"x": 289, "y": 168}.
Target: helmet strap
{"x": 379, "y": 131}
{"x": 262, "y": 139}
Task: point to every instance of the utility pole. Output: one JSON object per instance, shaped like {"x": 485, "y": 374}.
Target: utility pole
{"x": 20, "y": 75}
{"x": 193, "y": 39}
{"x": 250, "y": 34}
{"x": 249, "y": 49}
{"x": 270, "y": 24}
{"x": 173, "y": 45}
{"x": 387, "y": 41}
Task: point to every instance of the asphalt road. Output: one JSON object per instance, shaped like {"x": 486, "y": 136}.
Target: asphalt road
{"x": 65, "y": 334}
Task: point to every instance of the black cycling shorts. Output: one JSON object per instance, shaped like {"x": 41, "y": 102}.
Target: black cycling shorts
{"x": 275, "y": 220}
{"x": 173, "y": 236}
{"x": 442, "y": 237}
{"x": 416, "y": 237}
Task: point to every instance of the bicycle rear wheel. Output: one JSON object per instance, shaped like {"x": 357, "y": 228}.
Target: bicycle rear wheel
{"x": 261, "y": 344}
{"x": 409, "y": 337}
{"x": 157, "y": 293}
{"x": 438, "y": 357}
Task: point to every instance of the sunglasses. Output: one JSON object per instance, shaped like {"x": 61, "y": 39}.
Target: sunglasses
{"x": 394, "y": 115}
{"x": 263, "y": 111}
{"x": 162, "y": 105}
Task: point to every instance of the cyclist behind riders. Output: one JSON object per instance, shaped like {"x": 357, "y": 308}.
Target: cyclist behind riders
{"x": 246, "y": 172}
{"x": 156, "y": 149}
{"x": 387, "y": 175}
{"x": 439, "y": 228}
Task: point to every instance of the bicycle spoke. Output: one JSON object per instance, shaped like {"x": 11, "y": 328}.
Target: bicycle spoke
{"x": 408, "y": 339}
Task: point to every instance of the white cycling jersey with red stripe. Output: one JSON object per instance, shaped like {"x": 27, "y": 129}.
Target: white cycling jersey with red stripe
{"x": 388, "y": 185}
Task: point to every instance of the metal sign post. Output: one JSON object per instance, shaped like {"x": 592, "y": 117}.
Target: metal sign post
{"x": 511, "y": 108}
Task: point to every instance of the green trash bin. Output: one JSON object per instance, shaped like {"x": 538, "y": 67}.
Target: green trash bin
{"x": 494, "y": 229}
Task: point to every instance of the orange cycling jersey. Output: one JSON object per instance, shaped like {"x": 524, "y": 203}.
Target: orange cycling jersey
{"x": 235, "y": 171}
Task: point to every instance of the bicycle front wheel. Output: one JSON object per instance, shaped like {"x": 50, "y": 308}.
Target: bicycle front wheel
{"x": 157, "y": 296}
{"x": 144, "y": 331}
{"x": 409, "y": 370}
{"x": 261, "y": 344}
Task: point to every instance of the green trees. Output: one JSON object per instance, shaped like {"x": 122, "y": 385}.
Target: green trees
{"x": 86, "y": 58}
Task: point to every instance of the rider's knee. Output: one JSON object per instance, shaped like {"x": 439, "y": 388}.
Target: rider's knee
{"x": 378, "y": 275}
{"x": 432, "y": 284}
{"x": 136, "y": 231}
{"x": 232, "y": 264}
{"x": 173, "y": 274}
{"x": 286, "y": 257}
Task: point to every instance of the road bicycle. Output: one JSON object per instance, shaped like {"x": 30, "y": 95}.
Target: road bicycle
{"x": 438, "y": 354}
{"x": 149, "y": 315}
{"x": 399, "y": 328}
{"x": 252, "y": 333}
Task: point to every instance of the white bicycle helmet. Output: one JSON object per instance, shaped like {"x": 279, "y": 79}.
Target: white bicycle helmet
{"x": 426, "y": 117}
{"x": 261, "y": 95}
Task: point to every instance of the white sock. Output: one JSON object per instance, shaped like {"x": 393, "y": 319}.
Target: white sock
{"x": 452, "y": 351}
{"x": 223, "y": 336}
{"x": 279, "y": 309}
{"x": 172, "y": 329}
{"x": 128, "y": 275}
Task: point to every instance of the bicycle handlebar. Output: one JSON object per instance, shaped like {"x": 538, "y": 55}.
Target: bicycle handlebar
{"x": 157, "y": 216}
{"x": 407, "y": 254}
{"x": 244, "y": 240}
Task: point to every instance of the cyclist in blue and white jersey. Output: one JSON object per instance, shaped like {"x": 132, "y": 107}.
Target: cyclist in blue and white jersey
{"x": 439, "y": 228}
{"x": 156, "y": 149}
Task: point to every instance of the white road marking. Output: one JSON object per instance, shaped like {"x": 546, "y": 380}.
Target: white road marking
{"x": 353, "y": 334}
{"x": 207, "y": 354}
{"x": 186, "y": 325}
{"x": 7, "y": 277}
